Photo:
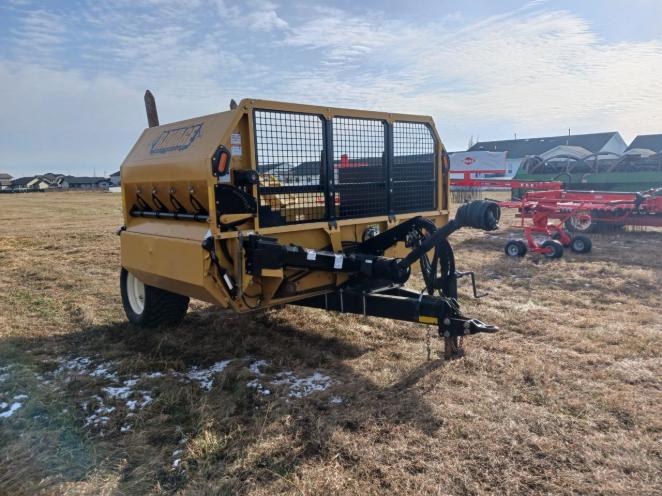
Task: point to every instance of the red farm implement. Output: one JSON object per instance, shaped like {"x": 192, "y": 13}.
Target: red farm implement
{"x": 553, "y": 211}
{"x": 591, "y": 211}
{"x": 549, "y": 221}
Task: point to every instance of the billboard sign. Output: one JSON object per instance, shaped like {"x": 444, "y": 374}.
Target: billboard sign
{"x": 479, "y": 161}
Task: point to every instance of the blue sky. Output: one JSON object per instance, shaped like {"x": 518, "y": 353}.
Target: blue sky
{"x": 72, "y": 73}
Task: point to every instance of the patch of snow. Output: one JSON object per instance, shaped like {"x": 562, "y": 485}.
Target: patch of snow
{"x": 177, "y": 452}
{"x": 176, "y": 463}
{"x": 12, "y": 409}
{"x": 256, "y": 365}
{"x": 84, "y": 366}
{"x": 203, "y": 376}
{"x": 103, "y": 370}
{"x": 302, "y": 387}
{"x": 21, "y": 397}
{"x": 336, "y": 400}
{"x": 122, "y": 392}
{"x": 125, "y": 428}
{"x": 257, "y": 385}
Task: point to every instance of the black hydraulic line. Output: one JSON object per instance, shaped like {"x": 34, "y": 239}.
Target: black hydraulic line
{"x": 479, "y": 214}
{"x": 168, "y": 215}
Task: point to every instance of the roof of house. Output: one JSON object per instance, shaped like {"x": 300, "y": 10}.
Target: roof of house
{"x": 115, "y": 174}
{"x": 4, "y": 175}
{"x": 85, "y": 180}
{"x": 648, "y": 142}
{"x": 520, "y": 148}
{"x": 23, "y": 181}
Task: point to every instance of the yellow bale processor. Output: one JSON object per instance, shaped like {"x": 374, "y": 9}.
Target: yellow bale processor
{"x": 275, "y": 203}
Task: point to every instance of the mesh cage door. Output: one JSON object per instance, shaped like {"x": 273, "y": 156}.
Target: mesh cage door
{"x": 414, "y": 168}
{"x": 359, "y": 168}
{"x": 289, "y": 154}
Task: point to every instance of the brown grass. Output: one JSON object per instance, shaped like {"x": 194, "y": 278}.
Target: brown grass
{"x": 564, "y": 400}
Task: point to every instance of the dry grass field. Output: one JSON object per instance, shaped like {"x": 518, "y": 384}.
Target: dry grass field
{"x": 566, "y": 399}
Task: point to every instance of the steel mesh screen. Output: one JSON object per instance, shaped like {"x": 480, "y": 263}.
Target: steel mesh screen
{"x": 413, "y": 169}
{"x": 288, "y": 152}
{"x": 359, "y": 167}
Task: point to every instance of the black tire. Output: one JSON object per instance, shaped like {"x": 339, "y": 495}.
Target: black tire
{"x": 556, "y": 248}
{"x": 161, "y": 308}
{"x": 581, "y": 244}
{"x": 515, "y": 248}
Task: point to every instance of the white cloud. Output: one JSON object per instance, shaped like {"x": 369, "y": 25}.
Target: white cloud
{"x": 255, "y": 15}
{"x": 527, "y": 71}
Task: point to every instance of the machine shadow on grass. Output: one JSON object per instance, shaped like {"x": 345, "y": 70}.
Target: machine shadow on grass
{"x": 230, "y": 410}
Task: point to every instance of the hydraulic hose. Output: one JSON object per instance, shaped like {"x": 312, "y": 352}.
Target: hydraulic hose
{"x": 478, "y": 214}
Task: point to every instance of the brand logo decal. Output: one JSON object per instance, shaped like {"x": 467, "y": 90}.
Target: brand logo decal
{"x": 469, "y": 160}
{"x": 176, "y": 139}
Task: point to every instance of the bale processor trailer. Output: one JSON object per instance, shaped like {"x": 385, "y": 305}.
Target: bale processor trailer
{"x": 274, "y": 203}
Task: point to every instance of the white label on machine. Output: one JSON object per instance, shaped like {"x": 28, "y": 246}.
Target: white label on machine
{"x": 236, "y": 139}
{"x": 236, "y": 150}
{"x": 311, "y": 255}
{"x": 337, "y": 262}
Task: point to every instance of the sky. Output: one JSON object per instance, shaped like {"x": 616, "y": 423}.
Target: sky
{"x": 73, "y": 73}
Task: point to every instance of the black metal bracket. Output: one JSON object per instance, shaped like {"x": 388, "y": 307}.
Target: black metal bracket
{"x": 460, "y": 275}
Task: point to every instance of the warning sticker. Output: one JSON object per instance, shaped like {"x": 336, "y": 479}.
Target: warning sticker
{"x": 236, "y": 150}
{"x": 236, "y": 139}
{"x": 311, "y": 255}
{"x": 337, "y": 262}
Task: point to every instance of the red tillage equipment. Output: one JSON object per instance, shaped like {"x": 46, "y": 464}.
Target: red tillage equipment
{"x": 594, "y": 209}
{"x": 577, "y": 211}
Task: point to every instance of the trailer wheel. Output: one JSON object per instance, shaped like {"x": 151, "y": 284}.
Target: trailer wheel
{"x": 581, "y": 244}
{"x": 515, "y": 248}
{"x": 556, "y": 248}
{"x": 147, "y": 306}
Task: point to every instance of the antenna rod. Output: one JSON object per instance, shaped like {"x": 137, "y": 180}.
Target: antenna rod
{"x": 150, "y": 108}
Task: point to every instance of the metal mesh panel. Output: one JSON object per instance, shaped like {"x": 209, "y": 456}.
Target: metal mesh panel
{"x": 359, "y": 167}
{"x": 288, "y": 152}
{"x": 413, "y": 169}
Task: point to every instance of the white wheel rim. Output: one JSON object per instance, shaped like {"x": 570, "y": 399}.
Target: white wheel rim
{"x": 579, "y": 245}
{"x": 580, "y": 223}
{"x": 513, "y": 250}
{"x": 135, "y": 290}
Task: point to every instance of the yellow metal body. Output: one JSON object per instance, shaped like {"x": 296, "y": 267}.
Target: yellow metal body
{"x": 174, "y": 161}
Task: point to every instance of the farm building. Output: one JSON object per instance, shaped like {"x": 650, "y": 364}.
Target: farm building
{"x": 86, "y": 182}
{"x": 650, "y": 142}
{"x": 5, "y": 181}
{"x": 581, "y": 144}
